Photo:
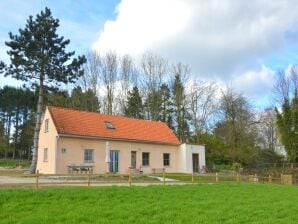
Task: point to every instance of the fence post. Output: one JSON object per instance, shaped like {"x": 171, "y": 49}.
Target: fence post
{"x": 270, "y": 179}
{"x": 256, "y": 178}
{"x": 238, "y": 178}
{"x": 163, "y": 175}
{"x": 281, "y": 178}
{"x": 37, "y": 179}
{"x": 89, "y": 178}
{"x": 216, "y": 177}
{"x": 129, "y": 178}
{"x": 192, "y": 177}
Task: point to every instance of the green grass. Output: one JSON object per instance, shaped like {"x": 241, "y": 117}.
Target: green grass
{"x": 199, "y": 178}
{"x": 14, "y": 163}
{"x": 215, "y": 203}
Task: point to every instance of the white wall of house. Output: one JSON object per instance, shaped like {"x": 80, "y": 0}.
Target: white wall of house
{"x": 185, "y": 164}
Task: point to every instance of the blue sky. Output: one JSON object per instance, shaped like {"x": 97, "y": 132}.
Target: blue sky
{"x": 236, "y": 43}
{"x": 80, "y": 21}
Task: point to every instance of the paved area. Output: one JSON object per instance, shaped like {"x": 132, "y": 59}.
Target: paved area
{"x": 6, "y": 181}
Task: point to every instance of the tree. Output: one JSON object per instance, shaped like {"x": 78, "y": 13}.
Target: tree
{"x": 154, "y": 68}
{"x": 287, "y": 123}
{"x": 287, "y": 118}
{"x": 180, "y": 112}
{"x": 166, "y": 105}
{"x": 202, "y": 104}
{"x": 126, "y": 78}
{"x": 134, "y": 106}
{"x": 236, "y": 129}
{"x": 38, "y": 56}
{"x": 109, "y": 77}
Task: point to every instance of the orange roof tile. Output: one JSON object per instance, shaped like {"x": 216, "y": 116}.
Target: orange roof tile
{"x": 91, "y": 124}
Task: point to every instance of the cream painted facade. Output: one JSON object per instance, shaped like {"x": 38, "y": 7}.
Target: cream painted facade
{"x": 64, "y": 150}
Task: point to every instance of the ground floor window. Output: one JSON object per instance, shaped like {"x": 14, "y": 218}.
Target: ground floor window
{"x": 88, "y": 155}
{"x": 166, "y": 159}
{"x": 45, "y": 155}
{"x": 145, "y": 158}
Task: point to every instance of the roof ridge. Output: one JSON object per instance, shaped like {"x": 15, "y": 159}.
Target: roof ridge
{"x": 98, "y": 113}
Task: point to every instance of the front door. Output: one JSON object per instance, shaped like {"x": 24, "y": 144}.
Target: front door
{"x": 133, "y": 157}
{"x": 114, "y": 161}
{"x": 195, "y": 162}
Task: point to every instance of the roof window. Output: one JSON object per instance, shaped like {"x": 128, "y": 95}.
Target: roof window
{"x": 109, "y": 125}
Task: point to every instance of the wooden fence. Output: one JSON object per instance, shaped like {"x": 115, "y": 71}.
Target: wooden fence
{"x": 88, "y": 179}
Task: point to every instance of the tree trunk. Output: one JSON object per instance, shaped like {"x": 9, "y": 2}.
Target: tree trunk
{"x": 16, "y": 134}
{"x": 37, "y": 128}
{"x": 7, "y": 149}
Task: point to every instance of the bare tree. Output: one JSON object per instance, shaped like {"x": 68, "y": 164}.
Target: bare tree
{"x": 153, "y": 69}
{"x": 267, "y": 129}
{"x": 92, "y": 71}
{"x": 287, "y": 85}
{"x": 109, "y": 75}
{"x": 126, "y": 78}
{"x": 202, "y": 102}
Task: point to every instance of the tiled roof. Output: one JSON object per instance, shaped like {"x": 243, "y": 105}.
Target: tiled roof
{"x": 91, "y": 124}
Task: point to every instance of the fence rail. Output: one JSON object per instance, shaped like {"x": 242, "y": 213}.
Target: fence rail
{"x": 39, "y": 180}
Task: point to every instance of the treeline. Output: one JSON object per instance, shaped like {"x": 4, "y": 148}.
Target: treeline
{"x": 197, "y": 111}
{"x": 148, "y": 88}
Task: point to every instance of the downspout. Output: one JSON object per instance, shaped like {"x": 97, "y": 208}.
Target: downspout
{"x": 56, "y": 154}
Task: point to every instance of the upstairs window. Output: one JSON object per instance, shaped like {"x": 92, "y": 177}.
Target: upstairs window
{"x": 46, "y": 125}
{"x": 109, "y": 125}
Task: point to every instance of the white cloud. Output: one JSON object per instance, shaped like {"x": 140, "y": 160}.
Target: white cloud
{"x": 255, "y": 83}
{"x": 216, "y": 38}
{"x": 143, "y": 24}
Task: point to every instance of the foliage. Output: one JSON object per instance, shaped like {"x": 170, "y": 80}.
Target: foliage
{"x": 217, "y": 152}
{"x": 134, "y": 106}
{"x": 38, "y": 57}
{"x": 153, "y": 204}
{"x": 287, "y": 123}
{"x": 179, "y": 108}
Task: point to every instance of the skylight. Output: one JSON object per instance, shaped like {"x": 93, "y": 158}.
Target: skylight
{"x": 109, "y": 125}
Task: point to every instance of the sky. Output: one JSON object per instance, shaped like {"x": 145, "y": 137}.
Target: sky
{"x": 242, "y": 44}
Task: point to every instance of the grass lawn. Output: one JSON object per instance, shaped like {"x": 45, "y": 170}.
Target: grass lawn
{"x": 14, "y": 163}
{"x": 199, "y": 178}
{"x": 217, "y": 203}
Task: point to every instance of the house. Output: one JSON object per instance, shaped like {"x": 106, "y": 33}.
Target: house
{"x": 73, "y": 140}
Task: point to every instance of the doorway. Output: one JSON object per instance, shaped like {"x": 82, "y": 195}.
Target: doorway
{"x": 133, "y": 157}
{"x": 114, "y": 161}
{"x": 195, "y": 163}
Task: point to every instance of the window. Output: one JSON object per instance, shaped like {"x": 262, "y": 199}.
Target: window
{"x": 88, "y": 155}
{"x": 166, "y": 159}
{"x": 145, "y": 158}
{"x": 46, "y": 125}
{"x": 45, "y": 155}
{"x": 109, "y": 125}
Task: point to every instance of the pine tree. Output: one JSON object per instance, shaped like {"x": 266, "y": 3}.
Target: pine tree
{"x": 166, "y": 104}
{"x": 179, "y": 109}
{"x": 134, "y": 106}
{"x": 38, "y": 57}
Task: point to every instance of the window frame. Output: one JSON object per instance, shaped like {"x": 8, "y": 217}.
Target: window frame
{"x": 92, "y": 155}
{"x": 45, "y": 154}
{"x": 168, "y": 159}
{"x": 109, "y": 125}
{"x": 146, "y": 159}
{"x": 46, "y": 125}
